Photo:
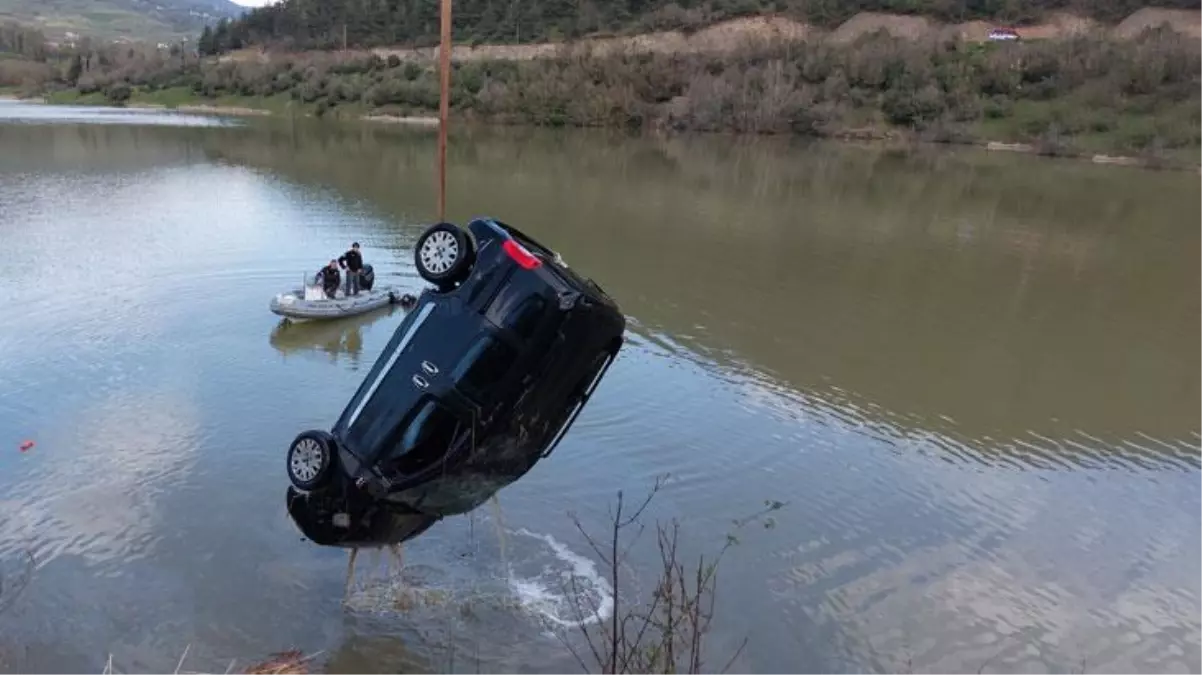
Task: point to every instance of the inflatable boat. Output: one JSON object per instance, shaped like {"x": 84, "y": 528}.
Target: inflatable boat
{"x": 310, "y": 301}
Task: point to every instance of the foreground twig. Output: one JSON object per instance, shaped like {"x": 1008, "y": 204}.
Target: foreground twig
{"x": 183, "y": 656}
{"x": 666, "y": 632}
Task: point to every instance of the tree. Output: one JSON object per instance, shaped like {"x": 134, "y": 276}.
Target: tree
{"x": 221, "y": 37}
{"x": 74, "y": 70}
{"x": 207, "y": 46}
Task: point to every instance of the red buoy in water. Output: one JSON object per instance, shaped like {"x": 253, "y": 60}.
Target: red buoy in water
{"x": 26, "y": 445}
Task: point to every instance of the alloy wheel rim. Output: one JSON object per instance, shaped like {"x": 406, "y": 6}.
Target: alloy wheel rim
{"x": 307, "y": 459}
{"x": 439, "y": 252}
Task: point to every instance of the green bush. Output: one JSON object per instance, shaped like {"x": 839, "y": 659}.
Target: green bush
{"x": 308, "y": 92}
{"x": 470, "y": 78}
{"x": 118, "y": 92}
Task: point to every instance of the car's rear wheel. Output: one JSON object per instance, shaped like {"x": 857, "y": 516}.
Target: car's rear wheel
{"x": 444, "y": 255}
{"x": 310, "y": 459}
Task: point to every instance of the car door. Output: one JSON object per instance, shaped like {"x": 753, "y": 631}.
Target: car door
{"x": 409, "y": 372}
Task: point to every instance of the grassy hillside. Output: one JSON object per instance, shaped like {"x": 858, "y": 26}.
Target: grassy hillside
{"x": 365, "y": 23}
{"x": 1079, "y": 95}
{"x": 150, "y": 20}
{"x": 1132, "y": 89}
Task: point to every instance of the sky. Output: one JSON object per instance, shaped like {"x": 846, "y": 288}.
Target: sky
{"x": 254, "y": 3}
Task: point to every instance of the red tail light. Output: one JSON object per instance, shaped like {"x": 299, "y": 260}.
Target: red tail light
{"x": 520, "y": 255}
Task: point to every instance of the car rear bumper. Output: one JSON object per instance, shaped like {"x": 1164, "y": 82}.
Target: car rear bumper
{"x": 342, "y": 516}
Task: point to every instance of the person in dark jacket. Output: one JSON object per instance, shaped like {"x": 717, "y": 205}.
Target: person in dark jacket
{"x": 352, "y": 262}
{"x": 329, "y": 278}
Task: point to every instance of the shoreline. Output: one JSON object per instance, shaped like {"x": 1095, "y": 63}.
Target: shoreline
{"x": 413, "y": 120}
{"x": 430, "y": 122}
{"x": 1130, "y": 161}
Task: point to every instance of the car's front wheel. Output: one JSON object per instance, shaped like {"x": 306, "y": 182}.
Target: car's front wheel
{"x": 444, "y": 255}
{"x": 310, "y": 459}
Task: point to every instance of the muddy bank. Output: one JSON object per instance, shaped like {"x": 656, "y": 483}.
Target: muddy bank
{"x": 402, "y": 119}
{"x": 236, "y": 111}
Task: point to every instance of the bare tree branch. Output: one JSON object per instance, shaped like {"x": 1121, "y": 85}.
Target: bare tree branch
{"x": 666, "y": 633}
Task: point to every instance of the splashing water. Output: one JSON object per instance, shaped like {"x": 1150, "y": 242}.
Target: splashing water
{"x": 594, "y": 601}
{"x": 567, "y": 590}
{"x": 500, "y": 527}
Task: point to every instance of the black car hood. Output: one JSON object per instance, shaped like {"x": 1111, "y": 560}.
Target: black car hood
{"x": 384, "y": 523}
{"x": 376, "y": 527}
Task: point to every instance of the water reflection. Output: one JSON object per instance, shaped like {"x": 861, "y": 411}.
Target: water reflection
{"x": 988, "y": 299}
{"x": 974, "y": 377}
{"x": 12, "y": 112}
{"x": 991, "y": 300}
{"x": 340, "y": 339}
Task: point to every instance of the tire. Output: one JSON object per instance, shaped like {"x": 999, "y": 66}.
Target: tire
{"x": 444, "y": 255}
{"x": 311, "y": 460}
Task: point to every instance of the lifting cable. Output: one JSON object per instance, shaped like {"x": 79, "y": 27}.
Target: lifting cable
{"x": 444, "y": 57}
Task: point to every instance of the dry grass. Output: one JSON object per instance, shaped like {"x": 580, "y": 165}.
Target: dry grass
{"x": 1180, "y": 20}
{"x": 867, "y": 23}
{"x": 726, "y": 36}
{"x": 735, "y": 34}
{"x": 292, "y": 662}
{"x": 1060, "y": 26}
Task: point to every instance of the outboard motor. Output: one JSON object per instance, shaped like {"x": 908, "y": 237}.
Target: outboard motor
{"x": 367, "y": 277}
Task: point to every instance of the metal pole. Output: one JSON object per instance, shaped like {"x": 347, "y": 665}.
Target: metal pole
{"x": 444, "y": 57}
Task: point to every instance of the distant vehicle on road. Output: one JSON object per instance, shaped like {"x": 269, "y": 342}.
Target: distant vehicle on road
{"x": 1002, "y": 34}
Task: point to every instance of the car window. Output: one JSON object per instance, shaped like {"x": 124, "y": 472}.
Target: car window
{"x": 525, "y": 317}
{"x": 427, "y": 438}
{"x": 483, "y": 366}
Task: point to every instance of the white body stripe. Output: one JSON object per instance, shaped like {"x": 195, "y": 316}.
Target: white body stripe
{"x": 417, "y": 323}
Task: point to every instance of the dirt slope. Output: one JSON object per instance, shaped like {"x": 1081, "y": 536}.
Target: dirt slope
{"x": 719, "y": 37}
{"x": 899, "y": 26}
{"x": 1180, "y": 20}
{"x": 732, "y": 34}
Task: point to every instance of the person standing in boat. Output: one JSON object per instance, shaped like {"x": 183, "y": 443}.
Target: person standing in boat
{"x": 330, "y": 279}
{"x": 352, "y": 262}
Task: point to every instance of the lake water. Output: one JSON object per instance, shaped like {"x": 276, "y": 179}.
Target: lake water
{"x": 974, "y": 379}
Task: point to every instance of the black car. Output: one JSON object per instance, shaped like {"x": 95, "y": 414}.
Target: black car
{"x": 483, "y": 378}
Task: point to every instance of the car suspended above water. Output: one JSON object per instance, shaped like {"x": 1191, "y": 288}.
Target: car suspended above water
{"x": 482, "y": 379}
